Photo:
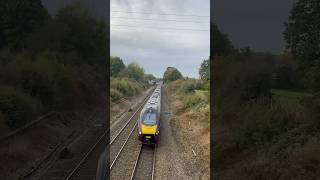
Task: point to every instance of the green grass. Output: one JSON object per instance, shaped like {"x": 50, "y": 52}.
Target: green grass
{"x": 289, "y": 95}
{"x": 202, "y": 93}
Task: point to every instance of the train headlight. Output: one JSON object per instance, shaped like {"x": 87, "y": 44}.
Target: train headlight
{"x": 139, "y": 132}
{"x": 157, "y": 133}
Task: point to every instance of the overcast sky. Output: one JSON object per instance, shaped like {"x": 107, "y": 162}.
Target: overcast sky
{"x": 160, "y": 42}
{"x": 255, "y": 23}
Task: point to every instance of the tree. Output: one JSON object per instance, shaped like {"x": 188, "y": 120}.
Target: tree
{"x": 18, "y": 18}
{"x": 303, "y": 29}
{"x": 171, "y": 74}
{"x": 150, "y": 77}
{"x": 135, "y": 71}
{"x": 221, "y": 43}
{"x": 86, "y": 35}
{"x": 116, "y": 65}
{"x": 204, "y": 70}
{"x": 302, "y": 37}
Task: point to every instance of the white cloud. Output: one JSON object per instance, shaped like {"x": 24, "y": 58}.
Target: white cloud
{"x": 140, "y": 41}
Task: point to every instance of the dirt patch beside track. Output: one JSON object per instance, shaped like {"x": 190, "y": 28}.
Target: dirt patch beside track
{"x": 192, "y": 139}
{"x": 169, "y": 163}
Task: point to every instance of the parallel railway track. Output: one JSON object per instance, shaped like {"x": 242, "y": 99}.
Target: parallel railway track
{"x": 86, "y": 168}
{"x": 144, "y": 167}
{"x": 123, "y": 148}
{"x": 54, "y": 167}
{"x": 83, "y": 169}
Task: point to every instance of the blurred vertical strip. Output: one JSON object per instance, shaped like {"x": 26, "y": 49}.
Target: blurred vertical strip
{"x": 212, "y": 86}
{"x": 108, "y": 90}
{"x": 101, "y": 9}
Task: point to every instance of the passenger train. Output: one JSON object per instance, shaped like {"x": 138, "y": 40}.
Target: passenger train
{"x": 149, "y": 121}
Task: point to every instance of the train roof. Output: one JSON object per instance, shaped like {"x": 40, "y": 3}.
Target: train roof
{"x": 152, "y": 106}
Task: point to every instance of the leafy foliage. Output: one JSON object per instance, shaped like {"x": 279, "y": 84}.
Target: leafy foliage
{"x": 17, "y": 19}
{"x": 116, "y": 65}
{"x": 62, "y": 66}
{"x": 115, "y": 95}
{"x": 275, "y": 129}
{"x": 135, "y": 72}
{"x": 302, "y": 30}
{"x": 149, "y": 77}
{"x": 245, "y": 79}
{"x": 85, "y": 35}
{"x": 17, "y": 107}
{"x": 221, "y": 43}
{"x": 204, "y": 70}
{"x": 171, "y": 74}
{"x": 128, "y": 80}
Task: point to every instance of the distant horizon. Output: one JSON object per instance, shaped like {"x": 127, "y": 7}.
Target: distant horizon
{"x": 157, "y": 76}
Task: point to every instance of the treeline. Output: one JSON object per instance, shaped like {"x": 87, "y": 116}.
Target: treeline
{"x": 194, "y": 93}
{"x": 189, "y": 100}
{"x": 127, "y": 80}
{"x": 268, "y": 105}
{"x": 49, "y": 62}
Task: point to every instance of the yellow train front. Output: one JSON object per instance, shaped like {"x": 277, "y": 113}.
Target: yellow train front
{"x": 149, "y": 122}
{"x": 149, "y": 126}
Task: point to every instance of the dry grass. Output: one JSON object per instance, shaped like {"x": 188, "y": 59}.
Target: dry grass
{"x": 192, "y": 133}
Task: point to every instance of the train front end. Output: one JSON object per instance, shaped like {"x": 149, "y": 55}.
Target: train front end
{"x": 149, "y": 127}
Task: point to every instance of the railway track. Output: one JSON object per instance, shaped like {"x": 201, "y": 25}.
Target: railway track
{"x": 82, "y": 162}
{"x": 86, "y": 168}
{"x": 123, "y": 148}
{"x": 122, "y": 144}
{"x": 144, "y": 167}
{"x": 85, "y": 155}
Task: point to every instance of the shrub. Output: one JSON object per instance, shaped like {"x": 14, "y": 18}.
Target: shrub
{"x": 182, "y": 86}
{"x": 193, "y": 100}
{"x": 115, "y": 95}
{"x": 18, "y": 107}
{"x": 171, "y": 74}
{"x": 258, "y": 125}
{"x": 126, "y": 86}
{"x": 188, "y": 86}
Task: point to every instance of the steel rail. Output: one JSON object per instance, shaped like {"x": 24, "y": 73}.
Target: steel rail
{"x": 136, "y": 163}
{"x": 85, "y": 157}
{"x": 154, "y": 162}
{"x": 116, "y": 158}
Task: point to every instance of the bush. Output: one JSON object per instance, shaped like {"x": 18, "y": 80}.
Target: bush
{"x": 259, "y": 125}
{"x": 115, "y": 95}
{"x": 18, "y": 107}
{"x": 171, "y": 74}
{"x": 193, "y": 100}
{"x": 188, "y": 86}
{"x": 182, "y": 86}
{"x": 127, "y": 87}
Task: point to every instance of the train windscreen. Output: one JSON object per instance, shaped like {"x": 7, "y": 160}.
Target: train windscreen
{"x": 150, "y": 119}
